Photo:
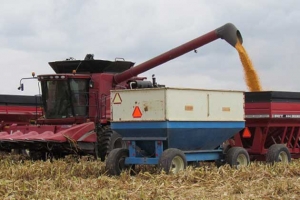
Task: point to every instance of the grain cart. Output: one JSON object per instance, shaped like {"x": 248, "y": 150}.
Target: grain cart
{"x": 172, "y": 126}
{"x": 76, "y": 101}
{"x": 273, "y": 126}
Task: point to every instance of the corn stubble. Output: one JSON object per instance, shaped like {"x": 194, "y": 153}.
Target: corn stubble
{"x": 82, "y": 179}
{"x": 251, "y": 76}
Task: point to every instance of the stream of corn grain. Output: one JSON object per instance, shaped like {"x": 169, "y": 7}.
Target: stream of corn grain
{"x": 251, "y": 77}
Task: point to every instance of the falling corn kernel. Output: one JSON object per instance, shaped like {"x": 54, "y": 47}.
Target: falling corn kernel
{"x": 251, "y": 77}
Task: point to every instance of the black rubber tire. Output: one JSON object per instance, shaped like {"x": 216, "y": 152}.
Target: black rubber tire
{"x": 107, "y": 141}
{"x": 172, "y": 158}
{"x": 115, "y": 161}
{"x": 278, "y": 153}
{"x": 236, "y": 155}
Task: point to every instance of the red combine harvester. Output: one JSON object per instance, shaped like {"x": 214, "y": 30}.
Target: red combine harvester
{"x": 76, "y": 101}
{"x": 273, "y": 126}
{"x": 19, "y": 110}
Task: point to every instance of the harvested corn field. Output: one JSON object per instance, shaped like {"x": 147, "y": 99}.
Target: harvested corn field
{"x": 83, "y": 179}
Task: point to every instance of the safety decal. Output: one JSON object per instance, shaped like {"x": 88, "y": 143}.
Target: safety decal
{"x": 137, "y": 112}
{"x": 117, "y": 99}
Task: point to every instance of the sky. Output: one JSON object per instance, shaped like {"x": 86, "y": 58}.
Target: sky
{"x": 33, "y": 33}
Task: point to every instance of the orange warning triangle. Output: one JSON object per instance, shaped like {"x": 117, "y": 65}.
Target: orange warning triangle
{"x": 246, "y": 133}
{"x": 117, "y": 99}
{"x": 137, "y": 112}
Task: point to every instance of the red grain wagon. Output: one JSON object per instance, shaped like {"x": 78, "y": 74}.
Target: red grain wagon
{"x": 272, "y": 126}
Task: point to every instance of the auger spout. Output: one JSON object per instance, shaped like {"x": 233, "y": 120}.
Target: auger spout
{"x": 227, "y": 32}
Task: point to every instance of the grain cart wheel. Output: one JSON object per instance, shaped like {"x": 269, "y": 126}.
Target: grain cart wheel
{"x": 107, "y": 141}
{"x": 172, "y": 160}
{"x": 278, "y": 153}
{"x": 115, "y": 162}
{"x": 237, "y": 157}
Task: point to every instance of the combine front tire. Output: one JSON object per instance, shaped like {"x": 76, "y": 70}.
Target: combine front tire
{"x": 172, "y": 160}
{"x": 115, "y": 162}
{"x": 278, "y": 153}
{"x": 107, "y": 141}
{"x": 237, "y": 157}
